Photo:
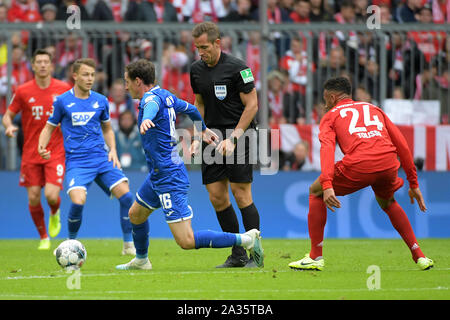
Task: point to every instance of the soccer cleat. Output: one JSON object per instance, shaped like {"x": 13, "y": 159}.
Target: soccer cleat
{"x": 128, "y": 249}
{"x": 308, "y": 264}
{"x": 136, "y": 264}
{"x": 425, "y": 263}
{"x": 54, "y": 224}
{"x": 251, "y": 264}
{"x": 234, "y": 261}
{"x": 255, "y": 248}
{"x": 44, "y": 244}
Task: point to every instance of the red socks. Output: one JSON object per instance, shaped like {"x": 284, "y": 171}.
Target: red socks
{"x": 401, "y": 223}
{"x": 37, "y": 214}
{"x": 55, "y": 207}
{"x": 317, "y": 218}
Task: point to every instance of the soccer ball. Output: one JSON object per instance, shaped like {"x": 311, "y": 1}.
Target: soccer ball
{"x": 71, "y": 254}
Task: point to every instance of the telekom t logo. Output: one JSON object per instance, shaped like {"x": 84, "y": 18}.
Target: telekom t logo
{"x": 37, "y": 112}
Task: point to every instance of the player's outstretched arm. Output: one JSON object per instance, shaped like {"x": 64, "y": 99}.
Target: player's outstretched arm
{"x": 7, "y": 121}
{"x": 417, "y": 194}
{"x": 44, "y": 138}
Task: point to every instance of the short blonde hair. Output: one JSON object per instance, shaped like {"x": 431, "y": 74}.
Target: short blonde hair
{"x": 86, "y": 61}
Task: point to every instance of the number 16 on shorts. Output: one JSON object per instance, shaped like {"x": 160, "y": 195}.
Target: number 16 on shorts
{"x": 166, "y": 202}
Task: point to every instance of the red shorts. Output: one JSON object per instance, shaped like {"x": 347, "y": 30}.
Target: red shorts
{"x": 38, "y": 174}
{"x": 384, "y": 183}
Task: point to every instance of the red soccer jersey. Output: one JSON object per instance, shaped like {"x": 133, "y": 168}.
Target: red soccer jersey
{"x": 36, "y": 105}
{"x": 367, "y": 137}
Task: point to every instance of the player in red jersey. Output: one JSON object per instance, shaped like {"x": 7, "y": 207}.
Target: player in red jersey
{"x": 370, "y": 143}
{"x": 34, "y": 99}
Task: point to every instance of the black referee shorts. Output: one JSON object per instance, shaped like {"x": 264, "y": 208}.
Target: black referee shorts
{"x": 237, "y": 167}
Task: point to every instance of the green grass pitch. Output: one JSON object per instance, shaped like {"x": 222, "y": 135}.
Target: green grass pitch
{"x": 26, "y": 273}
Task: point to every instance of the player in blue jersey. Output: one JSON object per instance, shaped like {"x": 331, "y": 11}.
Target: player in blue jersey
{"x": 85, "y": 125}
{"x": 166, "y": 185}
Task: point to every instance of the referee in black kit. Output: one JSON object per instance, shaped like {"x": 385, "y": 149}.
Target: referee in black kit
{"x": 226, "y": 97}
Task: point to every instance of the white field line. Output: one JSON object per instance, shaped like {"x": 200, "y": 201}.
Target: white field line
{"x": 85, "y": 294}
{"x": 153, "y": 272}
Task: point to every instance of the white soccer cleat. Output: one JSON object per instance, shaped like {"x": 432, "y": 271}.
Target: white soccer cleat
{"x": 136, "y": 264}
{"x": 425, "y": 263}
{"x": 128, "y": 249}
{"x": 255, "y": 248}
{"x": 308, "y": 264}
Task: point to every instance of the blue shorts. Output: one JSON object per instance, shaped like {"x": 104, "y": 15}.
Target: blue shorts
{"x": 104, "y": 174}
{"x": 174, "y": 203}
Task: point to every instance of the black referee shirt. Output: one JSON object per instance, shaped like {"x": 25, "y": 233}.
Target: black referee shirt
{"x": 219, "y": 87}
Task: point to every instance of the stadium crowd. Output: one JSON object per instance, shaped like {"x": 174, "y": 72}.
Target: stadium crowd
{"x": 352, "y": 54}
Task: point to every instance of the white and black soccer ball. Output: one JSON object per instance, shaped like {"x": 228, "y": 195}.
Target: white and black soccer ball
{"x": 71, "y": 254}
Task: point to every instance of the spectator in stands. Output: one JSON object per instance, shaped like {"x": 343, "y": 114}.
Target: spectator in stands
{"x": 361, "y": 10}
{"x": 21, "y": 73}
{"x": 298, "y": 159}
{"x": 49, "y": 11}
{"x": 3, "y": 13}
{"x": 407, "y": 12}
{"x": 63, "y": 15}
{"x": 334, "y": 65}
{"x": 441, "y": 11}
{"x": 361, "y": 94}
{"x": 398, "y": 93}
{"x": 287, "y": 5}
{"x": 128, "y": 143}
{"x": 249, "y": 51}
{"x": 71, "y": 49}
{"x": 109, "y": 10}
{"x": 295, "y": 62}
{"x": 301, "y": 11}
{"x": 438, "y": 88}
{"x": 226, "y": 44}
{"x": 277, "y": 98}
{"x": 157, "y": 11}
{"x": 24, "y": 11}
{"x": 176, "y": 77}
{"x": 119, "y": 101}
{"x": 196, "y": 11}
{"x": 385, "y": 14}
{"x": 371, "y": 78}
{"x": 429, "y": 42}
{"x": 241, "y": 13}
{"x": 319, "y": 11}
{"x": 346, "y": 15}
{"x": 275, "y": 13}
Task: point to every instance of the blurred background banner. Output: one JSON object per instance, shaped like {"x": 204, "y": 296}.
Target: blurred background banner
{"x": 282, "y": 199}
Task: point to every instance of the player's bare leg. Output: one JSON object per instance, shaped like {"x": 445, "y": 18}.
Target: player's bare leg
{"x": 122, "y": 193}
{"x": 51, "y": 193}
{"x": 220, "y": 199}
{"x": 401, "y": 223}
{"x": 37, "y": 214}
{"x": 317, "y": 217}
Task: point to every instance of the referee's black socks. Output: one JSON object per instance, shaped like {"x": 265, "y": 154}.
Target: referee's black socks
{"x": 250, "y": 217}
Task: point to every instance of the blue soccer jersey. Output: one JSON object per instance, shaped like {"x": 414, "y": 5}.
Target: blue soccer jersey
{"x": 160, "y": 142}
{"x": 81, "y": 121}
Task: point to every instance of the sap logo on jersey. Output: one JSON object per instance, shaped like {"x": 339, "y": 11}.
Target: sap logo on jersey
{"x": 81, "y": 118}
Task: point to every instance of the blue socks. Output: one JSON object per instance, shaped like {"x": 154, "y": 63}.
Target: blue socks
{"x": 214, "y": 239}
{"x": 75, "y": 214}
{"x": 125, "y": 204}
{"x": 140, "y": 238}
